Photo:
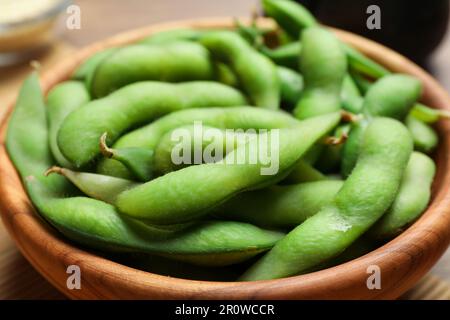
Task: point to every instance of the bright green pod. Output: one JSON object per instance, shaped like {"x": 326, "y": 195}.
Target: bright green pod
{"x": 168, "y": 62}
{"x": 27, "y": 136}
{"x": 85, "y": 72}
{"x": 412, "y": 198}
{"x": 98, "y": 225}
{"x": 351, "y": 97}
{"x": 149, "y": 136}
{"x": 131, "y": 106}
{"x": 280, "y": 206}
{"x": 323, "y": 65}
{"x": 429, "y": 115}
{"x": 61, "y": 101}
{"x": 367, "y": 193}
{"x": 304, "y": 172}
{"x": 291, "y": 86}
{"x": 392, "y": 96}
{"x": 424, "y": 136}
{"x": 362, "y": 64}
{"x": 256, "y": 73}
{"x": 209, "y": 144}
{"x": 291, "y": 16}
{"x": 286, "y": 55}
{"x": 169, "y": 198}
{"x": 362, "y": 82}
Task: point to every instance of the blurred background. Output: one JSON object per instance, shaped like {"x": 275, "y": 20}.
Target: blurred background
{"x": 416, "y": 28}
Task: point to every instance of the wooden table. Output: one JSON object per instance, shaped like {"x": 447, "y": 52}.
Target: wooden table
{"x": 102, "y": 18}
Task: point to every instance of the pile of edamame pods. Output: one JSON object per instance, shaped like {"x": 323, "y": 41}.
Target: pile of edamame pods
{"x": 354, "y": 145}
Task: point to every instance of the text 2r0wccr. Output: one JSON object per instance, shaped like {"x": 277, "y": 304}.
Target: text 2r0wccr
{"x": 226, "y": 309}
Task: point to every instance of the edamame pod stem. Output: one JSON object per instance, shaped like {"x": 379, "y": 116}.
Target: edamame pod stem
{"x": 323, "y": 65}
{"x": 424, "y": 136}
{"x": 391, "y": 96}
{"x": 131, "y": 106}
{"x": 279, "y": 206}
{"x": 139, "y": 161}
{"x": 412, "y": 198}
{"x": 291, "y": 16}
{"x": 97, "y": 186}
{"x": 85, "y": 72}
{"x": 61, "y": 101}
{"x": 99, "y": 226}
{"x": 365, "y": 196}
{"x": 291, "y": 85}
{"x": 429, "y": 115}
{"x": 169, "y": 62}
{"x": 256, "y": 73}
{"x": 230, "y": 118}
{"x": 169, "y": 198}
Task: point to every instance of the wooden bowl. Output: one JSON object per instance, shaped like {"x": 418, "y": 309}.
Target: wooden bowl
{"x": 402, "y": 261}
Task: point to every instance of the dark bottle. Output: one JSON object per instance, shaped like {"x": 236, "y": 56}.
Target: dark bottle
{"x": 412, "y": 27}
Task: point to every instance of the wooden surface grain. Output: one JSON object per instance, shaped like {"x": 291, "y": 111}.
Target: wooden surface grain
{"x": 102, "y": 18}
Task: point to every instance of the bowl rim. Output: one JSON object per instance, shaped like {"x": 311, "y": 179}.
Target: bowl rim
{"x": 406, "y": 258}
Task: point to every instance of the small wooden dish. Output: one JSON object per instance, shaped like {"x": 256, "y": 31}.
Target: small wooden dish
{"x": 402, "y": 261}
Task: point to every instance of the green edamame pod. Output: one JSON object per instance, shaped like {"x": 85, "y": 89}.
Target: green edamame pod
{"x": 62, "y": 100}
{"x": 412, "y": 198}
{"x": 286, "y": 55}
{"x": 291, "y": 86}
{"x": 362, "y": 200}
{"x": 291, "y": 16}
{"x": 304, "y": 172}
{"x": 360, "y": 63}
{"x": 131, "y": 106}
{"x": 280, "y": 206}
{"x": 424, "y": 136}
{"x": 428, "y": 115}
{"x": 97, "y": 186}
{"x": 99, "y": 226}
{"x": 362, "y": 83}
{"x": 27, "y": 135}
{"x": 212, "y": 144}
{"x": 391, "y": 96}
{"x": 256, "y": 73}
{"x": 352, "y": 100}
{"x": 169, "y": 198}
{"x": 225, "y": 75}
{"x": 169, "y": 62}
{"x": 231, "y": 118}
{"x": 85, "y": 72}
{"x": 324, "y": 66}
